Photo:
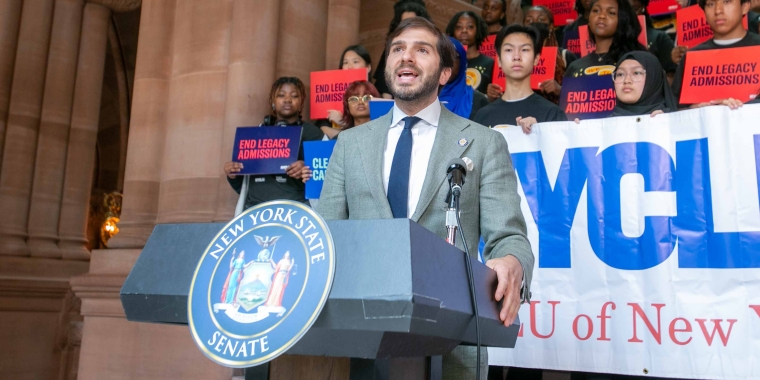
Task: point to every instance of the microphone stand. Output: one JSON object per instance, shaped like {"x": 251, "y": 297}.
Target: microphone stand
{"x": 453, "y": 223}
{"x": 452, "y": 214}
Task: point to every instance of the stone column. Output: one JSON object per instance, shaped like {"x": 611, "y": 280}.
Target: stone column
{"x": 10, "y": 16}
{"x": 54, "y": 129}
{"x": 196, "y": 113}
{"x": 23, "y": 124}
{"x": 303, "y": 36}
{"x": 85, "y": 113}
{"x": 147, "y": 129}
{"x": 251, "y": 69}
{"x": 342, "y": 30}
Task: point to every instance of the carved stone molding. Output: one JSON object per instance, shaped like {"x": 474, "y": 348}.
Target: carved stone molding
{"x": 118, "y": 5}
{"x": 99, "y": 294}
{"x": 372, "y": 37}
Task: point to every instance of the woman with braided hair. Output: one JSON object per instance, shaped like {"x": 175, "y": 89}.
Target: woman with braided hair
{"x": 286, "y": 98}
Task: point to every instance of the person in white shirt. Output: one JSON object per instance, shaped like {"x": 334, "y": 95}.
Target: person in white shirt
{"x": 395, "y": 167}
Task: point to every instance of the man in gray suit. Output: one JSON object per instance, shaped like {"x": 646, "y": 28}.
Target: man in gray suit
{"x": 395, "y": 167}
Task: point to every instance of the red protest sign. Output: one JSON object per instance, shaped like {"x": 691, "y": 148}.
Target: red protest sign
{"x": 730, "y": 73}
{"x": 487, "y": 48}
{"x": 543, "y": 71}
{"x": 547, "y": 64}
{"x": 692, "y": 27}
{"x": 498, "y": 77}
{"x": 661, "y": 7}
{"x": 563, "y": 10}
{"x": 327, "y": 89}
{"x": 588, "y": 46}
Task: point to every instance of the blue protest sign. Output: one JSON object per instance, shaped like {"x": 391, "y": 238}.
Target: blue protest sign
{"x": 588, "y": 96}
{"x": 266, "y": 150}
{"x": 316, "y": 156}
{"x": 379, "y": 107}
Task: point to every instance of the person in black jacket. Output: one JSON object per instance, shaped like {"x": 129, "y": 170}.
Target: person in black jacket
{"x": 287, "y": 99}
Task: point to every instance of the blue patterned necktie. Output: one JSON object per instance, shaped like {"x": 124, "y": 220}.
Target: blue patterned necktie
{"x": 398, "y": 183}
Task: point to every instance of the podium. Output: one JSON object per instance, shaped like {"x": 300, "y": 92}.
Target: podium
{"x": 399, "y": 291}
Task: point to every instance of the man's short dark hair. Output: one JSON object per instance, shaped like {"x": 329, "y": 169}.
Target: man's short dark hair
{"x": 703, "y": 2}
{"x": 481, "y": 28}
{"x": 444, "y": 47}
{"x": 532, "y": 33}
{"x": 403, "y": 6}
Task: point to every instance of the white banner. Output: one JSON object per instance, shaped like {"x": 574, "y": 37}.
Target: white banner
{"x": 646, "y": 233}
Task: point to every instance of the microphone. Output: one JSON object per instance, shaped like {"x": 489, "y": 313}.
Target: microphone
{"x": 456, "y": 171}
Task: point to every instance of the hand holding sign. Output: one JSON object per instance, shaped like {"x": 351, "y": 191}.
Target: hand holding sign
{"x": 232, "y": 168}
{"x": 264, "y": 150}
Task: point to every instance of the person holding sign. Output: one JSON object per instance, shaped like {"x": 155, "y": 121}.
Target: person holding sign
{"x": 458, "y": 96}
{"x": 571, "y": 39}
{"x": 541, "y": 18}
{"x": 287, "y": 100}
{"x": 355, "y": 112}
{"x": 470, "y": 30}
{"x": 640, "y": 86}
{"x": 519, "y": 50}
{"x": 615, "y": 28}
{"x": 725, "y": 20}
{"x": 354, "y": 57}
{"x": 355, "y": 106}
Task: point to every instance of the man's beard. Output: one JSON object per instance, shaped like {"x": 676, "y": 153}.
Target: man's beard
{"x": 407, "y": 93}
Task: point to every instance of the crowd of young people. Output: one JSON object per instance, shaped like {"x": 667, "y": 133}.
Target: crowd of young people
{"x": 647, "y": 79}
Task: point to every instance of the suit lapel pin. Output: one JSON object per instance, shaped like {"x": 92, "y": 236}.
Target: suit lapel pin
{"x": 463, "y": 142}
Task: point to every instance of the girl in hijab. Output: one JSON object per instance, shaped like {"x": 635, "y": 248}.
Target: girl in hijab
{"x": 459, "y": 97}
{"x": 641, "y": 86}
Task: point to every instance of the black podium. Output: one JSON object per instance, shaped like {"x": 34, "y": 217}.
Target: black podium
{"x": 399, "y": 291}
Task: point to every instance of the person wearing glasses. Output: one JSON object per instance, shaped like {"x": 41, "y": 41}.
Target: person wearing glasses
{"x": 353, "y": 57}
{"x": 641, "y": 86}
{"x": 355, "y": 112}
{"x": 355, "y": 107}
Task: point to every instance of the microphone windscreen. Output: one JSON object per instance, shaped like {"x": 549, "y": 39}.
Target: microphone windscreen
{"x": 469, "y": 164}
{"x": 457, "y": 161}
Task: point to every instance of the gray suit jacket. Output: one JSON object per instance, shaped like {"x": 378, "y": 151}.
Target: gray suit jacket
{"x": 490, "y": 205}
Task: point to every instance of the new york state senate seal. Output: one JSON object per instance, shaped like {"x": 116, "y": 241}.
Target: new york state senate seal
{"x": 261, "y": 283}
